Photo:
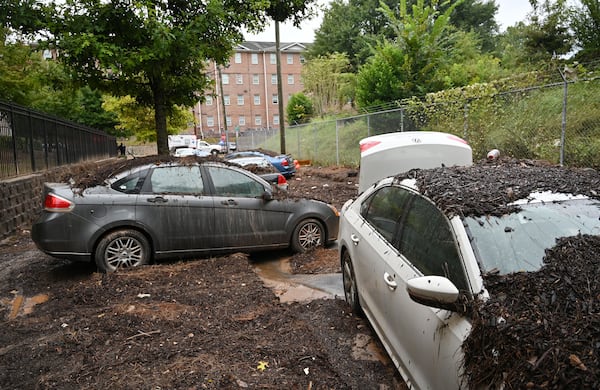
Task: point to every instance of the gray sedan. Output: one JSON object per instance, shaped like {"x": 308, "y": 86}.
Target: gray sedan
{"x": 176, "y": 210}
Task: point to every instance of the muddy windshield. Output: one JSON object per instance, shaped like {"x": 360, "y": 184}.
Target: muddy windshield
{"x": 517, "y": 242}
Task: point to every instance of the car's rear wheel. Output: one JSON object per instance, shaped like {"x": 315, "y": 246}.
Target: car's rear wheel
{"x": 122, "y": 249}
{"x": 307, "y": 235}
{"x": 350, "y": 287}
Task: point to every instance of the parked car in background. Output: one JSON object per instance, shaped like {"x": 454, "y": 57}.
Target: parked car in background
{"x": 417, "y": 252}
{"x": 264, "y": 168}
{"x": 213, "y": 149}
{"x": 283, "y": 162}
{"x": 175, "y": 210}
{"x": 184, "y": 152}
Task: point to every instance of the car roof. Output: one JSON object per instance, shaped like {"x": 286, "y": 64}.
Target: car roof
{"x": 495, "y": 188}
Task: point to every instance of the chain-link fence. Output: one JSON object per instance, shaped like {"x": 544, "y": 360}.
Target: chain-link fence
{"x": 31, "y": 141}
{"x": 558, "y": 122}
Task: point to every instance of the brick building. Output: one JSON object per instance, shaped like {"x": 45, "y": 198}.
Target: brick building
{"x": 249, "y": 86}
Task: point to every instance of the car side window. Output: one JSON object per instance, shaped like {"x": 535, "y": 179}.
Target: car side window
{"x": 130, "y": 184}
{"x": 228, "y": 182}
{"x": 426, "y": 240}
{"x": 384, "y": 209}
{"x": 177, "y": 179}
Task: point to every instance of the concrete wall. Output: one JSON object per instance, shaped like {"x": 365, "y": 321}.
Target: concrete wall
{"x": 21, "y": 199}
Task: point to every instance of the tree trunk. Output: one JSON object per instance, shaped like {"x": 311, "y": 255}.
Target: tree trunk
{"x": 160, "y": 119}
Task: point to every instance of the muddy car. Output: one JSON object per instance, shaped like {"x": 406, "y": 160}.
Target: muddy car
{"x": 419, "y": 253}
{"x": 176, "y": 210}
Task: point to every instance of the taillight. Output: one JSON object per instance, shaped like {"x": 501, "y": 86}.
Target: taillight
{"x": 281, "y": 180}
{"x": 368, "y": 145}
{"x": 285, "y": 163}
{"x": 55, "y": 203}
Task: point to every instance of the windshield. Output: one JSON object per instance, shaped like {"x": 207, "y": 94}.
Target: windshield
{"x": 517, "y": 242}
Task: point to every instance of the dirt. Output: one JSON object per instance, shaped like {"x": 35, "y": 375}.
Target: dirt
{"x": 200, "y": 324}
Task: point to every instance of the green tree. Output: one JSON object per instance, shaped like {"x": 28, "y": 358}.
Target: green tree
{"x": 410, "y": 64}
{"x": 19, "y": 67}
{"x": 327, "y": 81}
{"x": 548, "y": 35}
{"x": 299, "y": 109}
{"x": 138, "y": 121}
{"x": 90, "y": 111}
{"x": 152, "y": 50}
{"x": 585, "y": 22}
{"x": 476, "y": 16}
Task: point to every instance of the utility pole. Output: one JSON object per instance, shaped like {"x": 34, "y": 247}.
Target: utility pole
{"x": 279, "y": 90}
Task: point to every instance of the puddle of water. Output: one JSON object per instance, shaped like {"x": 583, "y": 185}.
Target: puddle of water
{"x": 276, "y": 274}
{"x": 21, "y": 305}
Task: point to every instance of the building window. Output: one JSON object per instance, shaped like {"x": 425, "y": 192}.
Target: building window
{"x": 275, "y": 99}
{"x": 302, "y": 60}
{"x": 258, "y": 120}
{"x": 238, "y": 58}
{"x": 209, "y": 100}
{"x": 239, "y": 79}
{"x": 255, "y": 79}
{"x": 273, "y": 58}
{"x": 254, "y": 58}
{"x": 240, "y": 100}
{"x": 225, "y": 78}
{"x": 257, "y": 100}
{"x": 290, "y": 79}
{"x": 290, "y": 59}
{"x": 227, "y": 100}
{"x": 210, "y": 121}
{"x": 274, "y": 79}
{"x": 228, "y": 120}
{"x": 275, "y": 119}
{"x": 242, "y": 120}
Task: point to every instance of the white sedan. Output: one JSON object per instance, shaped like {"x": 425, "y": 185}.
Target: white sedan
{"x": 412, "y": 262}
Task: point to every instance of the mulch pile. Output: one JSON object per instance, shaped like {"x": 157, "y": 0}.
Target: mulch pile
{"x": 489, "y": 188}
{"x": 541, "y": 329}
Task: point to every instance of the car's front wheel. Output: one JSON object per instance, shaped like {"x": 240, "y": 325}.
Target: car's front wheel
{"x": 350, "y": 287}
{"x": 122, "y": 249}
{"x": 307, "y": 235}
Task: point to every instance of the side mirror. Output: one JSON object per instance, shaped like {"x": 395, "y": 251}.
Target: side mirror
{"x": 434, "y": 291}
{"x": 267, "y": 195}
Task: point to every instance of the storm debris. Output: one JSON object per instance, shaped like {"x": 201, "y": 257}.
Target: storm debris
{"x": 549, "y": 332}
{"x": 491, "y": 188}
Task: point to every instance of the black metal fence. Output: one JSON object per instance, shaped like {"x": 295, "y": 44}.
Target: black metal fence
{"x": 31, "y": 141}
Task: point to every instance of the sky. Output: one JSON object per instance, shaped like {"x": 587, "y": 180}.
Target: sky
{"x": 509, "y": 13}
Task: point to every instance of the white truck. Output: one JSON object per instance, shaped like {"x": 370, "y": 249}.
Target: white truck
{"x": 191, "y": 141}
{"x": 390, "y": 154}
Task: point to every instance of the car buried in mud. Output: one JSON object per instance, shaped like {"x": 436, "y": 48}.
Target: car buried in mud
{"x": 176, "y": 209}
{"x": 479, "y": 277}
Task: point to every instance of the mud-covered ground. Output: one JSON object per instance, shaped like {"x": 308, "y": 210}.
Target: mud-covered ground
{"x": 207, "y": 323}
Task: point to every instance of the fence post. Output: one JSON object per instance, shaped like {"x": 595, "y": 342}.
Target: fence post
{"x": 337, "y": 143}
{"x": 564, "y": 118}
{"x": 466, "y": 120}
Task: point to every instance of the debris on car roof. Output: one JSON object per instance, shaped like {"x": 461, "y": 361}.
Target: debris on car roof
{"x": 540, "y": 329}
{"x": 489, "y": 188}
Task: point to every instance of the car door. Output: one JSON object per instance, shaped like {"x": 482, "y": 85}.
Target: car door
{"x": 243, "y": 218}
{"x": 428, "y": 339}
{"x": 173, "y": 204}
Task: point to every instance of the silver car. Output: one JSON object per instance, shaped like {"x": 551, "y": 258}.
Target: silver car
{"x": 415, "y": 251}
{"x": 177, "y": 210}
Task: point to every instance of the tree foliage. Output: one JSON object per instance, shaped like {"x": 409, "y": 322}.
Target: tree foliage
{"x": 299, "y": 109}
{"x": 327, "y": 81}
{"x": 152, "y": 50}
{"x": 410, "y": 64}
{"x": 548, "y": 34}
{"x": 585, "y": 22}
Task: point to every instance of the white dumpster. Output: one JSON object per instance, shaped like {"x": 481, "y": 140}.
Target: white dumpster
{"x": 390, "y": 154}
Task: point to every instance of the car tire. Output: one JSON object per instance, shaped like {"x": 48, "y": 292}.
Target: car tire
{"x": 122, "y": 249}
{"x": 308, "y": 235}
{"x": 349, "y": 283}
{"x": 214, "y": 152}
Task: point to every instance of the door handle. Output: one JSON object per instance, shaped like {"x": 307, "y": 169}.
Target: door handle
{"x": 354, "y": 238}
{"x": 158, "y": 199}
{"x": 229, "y": 202}
{"x": 389, "y": 280}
